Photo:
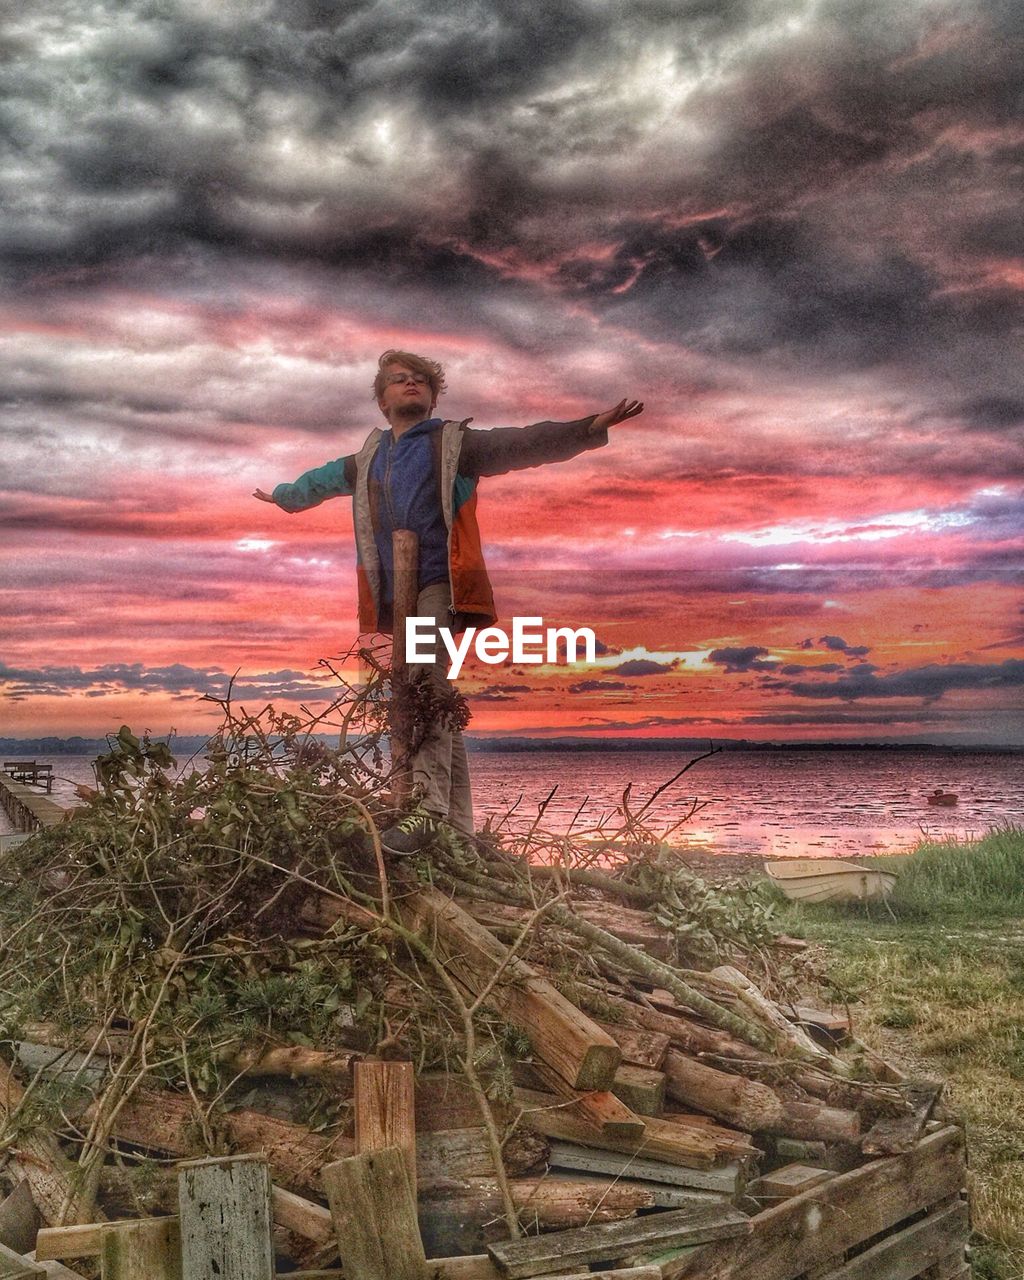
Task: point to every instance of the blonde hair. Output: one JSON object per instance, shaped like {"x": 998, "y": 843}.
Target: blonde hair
{"x": 418, "y": 364}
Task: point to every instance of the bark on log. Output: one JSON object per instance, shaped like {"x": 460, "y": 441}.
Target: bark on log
{"x": 164, "y": 1121}
{"x": 566, "y": 1039}
{"x": 464, "y": 1216}
{"x": 548, "y": 1114}
{"x": 733, "y": 1099}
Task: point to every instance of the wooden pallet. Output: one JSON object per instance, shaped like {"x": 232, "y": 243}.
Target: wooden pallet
{"x": 892, "y": 1219}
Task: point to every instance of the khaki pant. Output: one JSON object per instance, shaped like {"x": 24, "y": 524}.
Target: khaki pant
{"x": 440, "y": 767}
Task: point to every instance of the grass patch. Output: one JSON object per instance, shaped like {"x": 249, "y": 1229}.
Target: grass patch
{"x": 938, "y": 986}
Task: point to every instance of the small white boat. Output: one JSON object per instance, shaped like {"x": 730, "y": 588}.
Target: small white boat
{"x": 829, "y": 880}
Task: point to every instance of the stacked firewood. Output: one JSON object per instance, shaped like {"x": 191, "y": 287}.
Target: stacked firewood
{"x": 674, "y": 1102}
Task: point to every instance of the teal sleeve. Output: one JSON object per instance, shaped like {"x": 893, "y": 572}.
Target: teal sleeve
{"x": 333, "y": 480}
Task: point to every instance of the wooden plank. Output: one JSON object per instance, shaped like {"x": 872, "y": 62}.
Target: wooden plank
{"x": 610, "y": 1240}
{"x": 726, "y": 1179}
{"x": 385, "y": 1110}
{"x": 953, "y": 1267}
{"x": 19, "y": 1219}
{"x": 619, "y": 1273}
{"x": 226, "y": 1219}
{"x": 149, "y": 1247}
{"x": 813, "y": 1228}
{"x": 659, "y": 1195}
{"x": 375, "y": 1216}
{"x": 662, "y": 1140}
{"x": 70, "y": 1242}
{"x": 639, "y": 1048}
{"x": 57, "y": 1271}
{"x": 565, "y": 1038}
{"x": 473, "y": 1267}
{"x": 602, "y": 1109}
{"x": 640, "y": 1088}
{"x": 15, "y": 1266}
{"x": 940, "y": 1236}
{"x": 791, "y": 1180}
{"x": 835, "y": 1027}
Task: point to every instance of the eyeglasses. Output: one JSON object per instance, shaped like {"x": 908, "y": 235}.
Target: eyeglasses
{"x": 393, "y": 379}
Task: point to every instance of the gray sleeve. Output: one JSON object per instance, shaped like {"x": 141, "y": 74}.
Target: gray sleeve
{"x": 493, "y": 453}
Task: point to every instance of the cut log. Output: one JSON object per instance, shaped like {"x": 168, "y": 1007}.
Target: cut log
{"x": 466, "y": 1153}
{"x": 375, "y": 1216}
{"x": 754, "y": 1106}
{"x": 225, "y": 1219}
{"x": 817, "y": 1122}
{"x": 662, "y": 1140}
{"x": 641, "y": 1089}
{"x": 465, "y": 1216}
{"x": 732, "y": 1098}
{"x": 294, "y": 1061}
{"x": 584, "y": 1245}
{"x": 303, "y": 1217}
{"x": 164, "y": 1121}
{"x": 634, "y": 927}
{"x": 770, "y": 1014}
{"x": 385, "y": 1111}
{"x": 818, "y": 1226}
{"x": 564, "y": 1038}
{"x": 690, "y": 1036}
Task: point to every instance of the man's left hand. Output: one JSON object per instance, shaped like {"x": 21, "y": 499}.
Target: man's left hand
{"x": 612, "y": 417}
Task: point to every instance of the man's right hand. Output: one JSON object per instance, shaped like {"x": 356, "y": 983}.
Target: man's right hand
{"x": 263, "y": 497}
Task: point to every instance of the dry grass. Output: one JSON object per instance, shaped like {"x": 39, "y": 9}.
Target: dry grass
{"x": 948, "y": 1002}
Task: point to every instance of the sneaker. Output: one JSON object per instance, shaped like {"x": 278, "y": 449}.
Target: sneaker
{"x": 404, "y": 843}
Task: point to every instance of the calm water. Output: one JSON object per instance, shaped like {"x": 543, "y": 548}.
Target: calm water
{"x": 789, "y": 803}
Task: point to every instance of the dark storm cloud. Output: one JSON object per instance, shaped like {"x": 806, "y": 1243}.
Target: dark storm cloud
{"x": 596, "y": 686}
{"x": 928, "y": 683}
{"x": 176, "y": 679}
{"x": 747, "y": 658}
{"x": 838, "y": 645}
{"x": 642, "y": 667}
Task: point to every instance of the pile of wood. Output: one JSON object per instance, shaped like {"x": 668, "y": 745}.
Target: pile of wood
{"x": 643, "y": 1132}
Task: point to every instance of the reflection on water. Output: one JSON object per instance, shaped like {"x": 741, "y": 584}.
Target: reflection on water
{"x": 786, "y": 803}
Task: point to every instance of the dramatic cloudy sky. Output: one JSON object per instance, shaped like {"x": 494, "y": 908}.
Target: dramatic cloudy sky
{"x": 792, "y": 227}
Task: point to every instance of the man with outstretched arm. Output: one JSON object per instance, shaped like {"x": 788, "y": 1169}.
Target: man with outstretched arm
{"x": 422, "y": 475}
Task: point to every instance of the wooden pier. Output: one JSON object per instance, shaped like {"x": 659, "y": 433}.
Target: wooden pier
{"x": 26, "y": 807}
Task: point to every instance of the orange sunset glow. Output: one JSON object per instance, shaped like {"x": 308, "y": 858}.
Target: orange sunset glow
{"x": 794, "y": 234}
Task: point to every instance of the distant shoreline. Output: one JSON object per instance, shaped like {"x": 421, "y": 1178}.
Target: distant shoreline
{"x": 188, "y": 744}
